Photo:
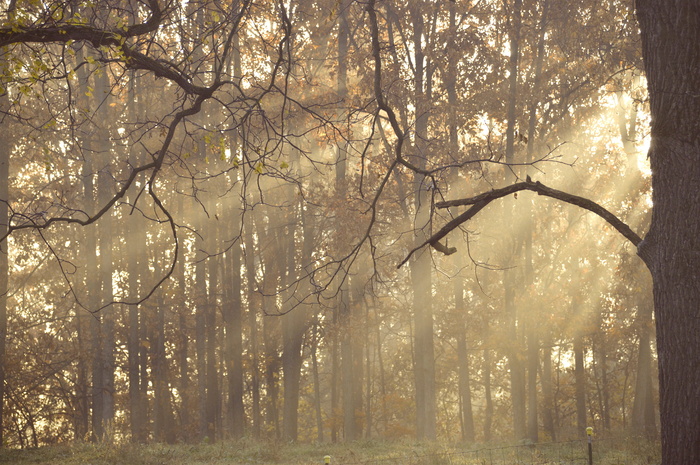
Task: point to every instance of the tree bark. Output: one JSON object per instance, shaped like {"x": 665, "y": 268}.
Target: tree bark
{"x": 670, "y": 34}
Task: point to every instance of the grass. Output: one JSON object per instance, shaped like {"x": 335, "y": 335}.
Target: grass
{"x": 373, "y": 452}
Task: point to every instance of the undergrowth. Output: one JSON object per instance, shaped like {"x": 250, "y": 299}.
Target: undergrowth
{"x": 624, "y": 451}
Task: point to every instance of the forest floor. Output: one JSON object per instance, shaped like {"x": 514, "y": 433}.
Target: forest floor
{"x": 623, "y": 451}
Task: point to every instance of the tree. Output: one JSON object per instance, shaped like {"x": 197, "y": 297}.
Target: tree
{"x": 669, "y": 249}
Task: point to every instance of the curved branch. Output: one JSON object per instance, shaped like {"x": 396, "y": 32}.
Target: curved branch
{"x": 480, "y": 201}
{"x": 133, "y": 59}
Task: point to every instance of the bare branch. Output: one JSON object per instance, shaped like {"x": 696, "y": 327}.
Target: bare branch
{"x": 480, "y": 201}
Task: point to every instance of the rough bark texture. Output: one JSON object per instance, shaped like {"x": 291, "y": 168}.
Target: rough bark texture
{"x": 671, "y": 249}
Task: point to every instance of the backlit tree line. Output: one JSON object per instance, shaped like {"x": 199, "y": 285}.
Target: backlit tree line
{"x": 212, "y": 215}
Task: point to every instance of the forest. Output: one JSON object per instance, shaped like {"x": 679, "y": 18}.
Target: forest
{"x": 242, "y": 218}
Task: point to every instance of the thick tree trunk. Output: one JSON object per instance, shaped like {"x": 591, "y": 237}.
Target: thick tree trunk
{"x": 671, "y": 249}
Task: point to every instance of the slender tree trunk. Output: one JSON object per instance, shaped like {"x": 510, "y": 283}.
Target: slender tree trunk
{"x": 104, "y": 194}
{"x": 254, "y": 301}
{"x": 346, "y": 357}
{"x": 421, "y": 266}
{"x": 317, "y": 382}
{"x": 345, "y": 308}
{"x": 643, "y": 418}
{"x": 464, "y": 383}
{"x": 547, "y": 394}
{"x": 213, "y": 398}
{"x": 163, "y": 420}
{"x": 233, "y": 321}
{"x": 294, "y": 325}
{"x": 533, "y": 352}
{"x": 488, "y": 397}
{"x": 580, "y": 380}
{"x": 517, "y": 371}
{"x": 182, "y": 348}
{"x": 137, "y": 241}
{"x": 335, "y": 370}
{"x": 4, "y": 268}
{"x": 200, "y": 297}
{"x": 357, "y": 303}
{"x": 271, "y": 336}
{"x": 91, "y": 272}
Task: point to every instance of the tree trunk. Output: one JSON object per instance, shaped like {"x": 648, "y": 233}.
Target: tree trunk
{"x": 200, "y": 299}
{"x": 4, "y": 268}
{"x": 271, "y": 335}
{"x": 163, "y": 427}
{"x": 548, "y": 397}
{"x": 671, "y": 249}
{"x": 643, "y": 417}
{"x": 488, "y": 398}
{"x": 254, "y": 300}
{"x": 580, "y": 381}
{"x": 421, "y": 266}
{"x": 182, "y": 347}
{"x": 533, "y": 353}
{"x": 137, "y": 242}
{"x": 464, "y": 383}
{"x": 104, "y": 194}
{"x": 317, "y": 382}
{"x": 232, "y": 312}
{"x": 346, "y": 364}
{"x": 517, "y": 371}
{"x": 213, "y": 399}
